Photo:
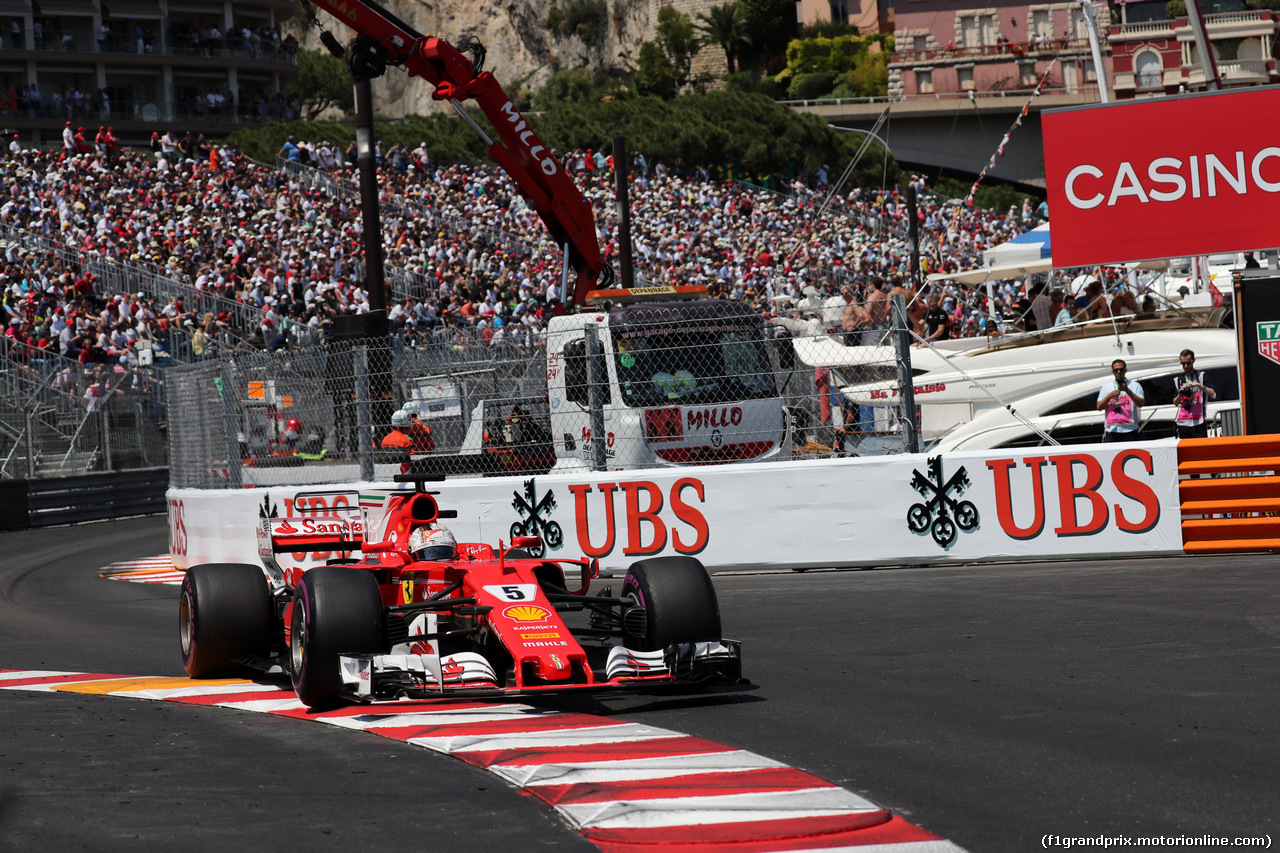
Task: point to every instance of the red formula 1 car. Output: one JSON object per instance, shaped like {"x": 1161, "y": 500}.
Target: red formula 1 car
{"x": 421, "y": 615}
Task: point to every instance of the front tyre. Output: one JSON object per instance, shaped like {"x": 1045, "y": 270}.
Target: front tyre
{"x": 224, "y": 618}
{"x": 679, "y": 603}
{"x": 337, "y": 610}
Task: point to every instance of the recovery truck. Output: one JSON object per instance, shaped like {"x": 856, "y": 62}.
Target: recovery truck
{"x": 675, "y": 378}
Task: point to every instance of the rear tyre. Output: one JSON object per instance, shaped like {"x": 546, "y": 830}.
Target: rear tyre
{"x": 337, "y": 610}
{"x": 224, "y": 618}
{"x": 679, "y": 603}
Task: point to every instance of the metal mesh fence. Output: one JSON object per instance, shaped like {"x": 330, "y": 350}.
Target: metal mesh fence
{"x": 644, "y": 386}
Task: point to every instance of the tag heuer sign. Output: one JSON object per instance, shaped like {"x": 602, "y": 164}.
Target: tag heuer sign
{"x": 1269, "y": 340}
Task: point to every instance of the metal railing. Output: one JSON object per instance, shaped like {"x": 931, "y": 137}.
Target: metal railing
{"x": 1013, "y": 49}
{"x": 85, "y": 40}
{"x": 120, "y": 277}
{"x": 61, "y": 418}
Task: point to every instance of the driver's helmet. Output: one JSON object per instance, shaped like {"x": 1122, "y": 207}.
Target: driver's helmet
{"x": 433, "y": 544}
{"x": 293, "y": 427}
{"x": 399, "y": 419}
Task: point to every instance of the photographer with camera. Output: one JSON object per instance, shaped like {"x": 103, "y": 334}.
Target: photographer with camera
{"x": 1190, "y": 393}
{"x": 1122, "y": 401}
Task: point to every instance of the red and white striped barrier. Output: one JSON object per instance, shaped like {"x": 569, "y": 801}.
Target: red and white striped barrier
{"x": 624, "y": 787}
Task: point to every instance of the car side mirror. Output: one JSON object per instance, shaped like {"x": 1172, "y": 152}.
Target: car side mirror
{"x": 590, "y": 571}
{"x": 530, "y": 542}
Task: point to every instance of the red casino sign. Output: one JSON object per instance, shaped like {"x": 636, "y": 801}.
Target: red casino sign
{"x": 1166, "y": 177}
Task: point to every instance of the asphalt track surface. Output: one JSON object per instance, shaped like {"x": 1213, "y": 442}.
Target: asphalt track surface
{"x": 991, "y": 705}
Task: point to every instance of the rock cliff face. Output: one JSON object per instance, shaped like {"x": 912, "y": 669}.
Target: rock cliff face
{"x": 517, "y": 39}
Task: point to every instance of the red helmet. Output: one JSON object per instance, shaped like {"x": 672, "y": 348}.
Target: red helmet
{"x": 293, "y": 425}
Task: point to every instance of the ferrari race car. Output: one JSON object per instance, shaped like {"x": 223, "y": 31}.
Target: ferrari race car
{"x": 421, "y": 615}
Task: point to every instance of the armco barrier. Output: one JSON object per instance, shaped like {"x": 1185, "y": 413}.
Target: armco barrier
{"x": 91, "y": 497}
{"x": 1229, "y": 489}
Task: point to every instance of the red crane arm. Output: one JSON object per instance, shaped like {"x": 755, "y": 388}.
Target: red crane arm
{"x": 538, "y": 175}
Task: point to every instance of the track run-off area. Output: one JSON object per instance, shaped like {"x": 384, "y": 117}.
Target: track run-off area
{"x": 909, "y": 709}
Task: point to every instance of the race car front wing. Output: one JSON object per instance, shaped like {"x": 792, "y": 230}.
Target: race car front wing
{"x": 367, "y": 677}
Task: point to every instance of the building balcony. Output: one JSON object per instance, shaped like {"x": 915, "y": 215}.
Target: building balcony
{"x": 953, "y": 55}
{"x": 1235, "y": 72}
{"x": 1260, "y": 23}
{"x": 150, "y": 112}
{"x": 1143, "y": 31}
{"x": 126, "y": 51}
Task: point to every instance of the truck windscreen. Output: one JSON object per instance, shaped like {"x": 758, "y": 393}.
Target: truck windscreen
{"x": 697, "y": 367}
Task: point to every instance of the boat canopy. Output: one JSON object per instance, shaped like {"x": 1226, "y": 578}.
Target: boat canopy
{"x": 1000, "y": 273}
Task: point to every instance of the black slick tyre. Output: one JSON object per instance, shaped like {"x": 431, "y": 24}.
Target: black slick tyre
{"x": 679, "y": 602}
{"x": 224, "y": 617}
{"x": 337, "y": 610}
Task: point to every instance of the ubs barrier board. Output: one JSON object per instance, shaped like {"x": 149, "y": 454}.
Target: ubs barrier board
{"x": 1029, "y": 503}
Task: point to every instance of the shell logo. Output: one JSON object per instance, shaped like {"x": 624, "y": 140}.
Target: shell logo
{"x": 526, "y": 613}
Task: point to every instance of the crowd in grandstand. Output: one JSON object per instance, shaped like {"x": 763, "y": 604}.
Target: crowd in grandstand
{"x": 464, "y": 252}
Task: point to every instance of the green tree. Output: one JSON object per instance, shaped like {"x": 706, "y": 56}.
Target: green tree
{"x": 870, "y": 79}
{"x": 679, "y": 41}
{"x": 587, "y": 19}
{"x": 571, "y": 84}
{"x": 323, "y": 81}
{"x": 654, "y": 74}
{"x": 771, "y": 24}
{"x": 727, "y": 27}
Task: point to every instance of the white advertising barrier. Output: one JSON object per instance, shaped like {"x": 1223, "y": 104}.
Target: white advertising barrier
{"x": 1082, "y": 501}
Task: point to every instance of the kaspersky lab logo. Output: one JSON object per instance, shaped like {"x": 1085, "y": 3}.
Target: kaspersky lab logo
{"x": 941, "y": 514}
{"x": 1269, "y": 340}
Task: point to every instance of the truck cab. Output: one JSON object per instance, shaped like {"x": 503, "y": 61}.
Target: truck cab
{"x": 682, "y": 383}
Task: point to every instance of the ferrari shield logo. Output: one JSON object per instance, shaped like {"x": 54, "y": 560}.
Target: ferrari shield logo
{"x": 406, "y": 591}
{"x": 1269, "y": 340}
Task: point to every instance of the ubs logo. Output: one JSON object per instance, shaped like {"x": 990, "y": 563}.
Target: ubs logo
{"x": 941, "y": 514}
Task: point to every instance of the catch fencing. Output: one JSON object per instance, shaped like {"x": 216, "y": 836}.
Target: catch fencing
{"x": 517, "y": 400}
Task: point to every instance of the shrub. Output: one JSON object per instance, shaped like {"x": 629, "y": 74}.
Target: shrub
{"x": 808, "y": 87}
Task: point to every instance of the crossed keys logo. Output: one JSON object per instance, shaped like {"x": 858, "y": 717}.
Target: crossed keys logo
{"x": 941, "y": 514}
{"x": 267, "y": 509}
{"x": 535, "y": 518}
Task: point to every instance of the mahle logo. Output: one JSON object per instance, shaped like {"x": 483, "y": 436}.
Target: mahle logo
{"x": 1269, "y": 340}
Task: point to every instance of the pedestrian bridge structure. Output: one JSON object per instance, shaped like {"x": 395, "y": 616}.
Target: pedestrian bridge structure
{"x": 955, "y": 134}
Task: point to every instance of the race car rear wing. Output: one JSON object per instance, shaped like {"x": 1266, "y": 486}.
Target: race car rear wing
{"x": 302, "y": 535}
